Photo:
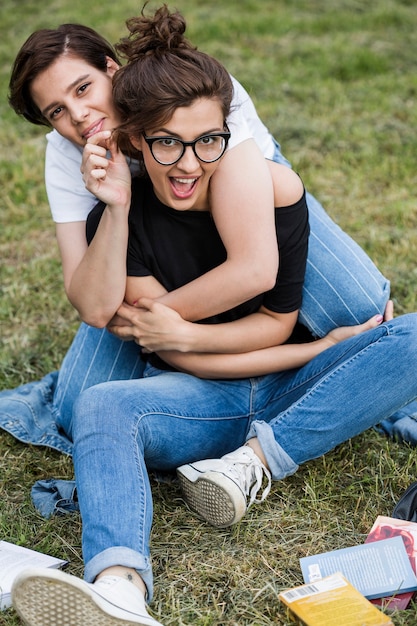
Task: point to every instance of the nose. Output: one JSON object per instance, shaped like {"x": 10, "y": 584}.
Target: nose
{"x": 78, "y": 112}
{"x": 188, "y": 162}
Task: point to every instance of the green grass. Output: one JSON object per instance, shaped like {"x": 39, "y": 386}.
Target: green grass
{"x": 337, "y": 85}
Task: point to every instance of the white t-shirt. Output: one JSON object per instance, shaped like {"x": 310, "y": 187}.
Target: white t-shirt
{"x": 70, "y": 201}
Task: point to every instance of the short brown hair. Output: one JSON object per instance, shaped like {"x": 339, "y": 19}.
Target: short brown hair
{"x": 40, "y": 51}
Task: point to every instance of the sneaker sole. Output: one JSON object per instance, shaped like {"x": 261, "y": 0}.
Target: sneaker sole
{"x": 213, "y": 496}
{"x": 48, "y": 599}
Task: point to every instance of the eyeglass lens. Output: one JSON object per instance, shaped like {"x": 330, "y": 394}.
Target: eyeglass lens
{"x": 169, "y": 150}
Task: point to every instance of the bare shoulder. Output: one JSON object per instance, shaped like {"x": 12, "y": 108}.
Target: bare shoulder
{"x": 288, "y": 186}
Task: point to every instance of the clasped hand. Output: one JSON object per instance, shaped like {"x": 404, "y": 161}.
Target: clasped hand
{"x": 152, "y": 325}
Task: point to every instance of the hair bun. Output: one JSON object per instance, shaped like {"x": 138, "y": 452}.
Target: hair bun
{"x": 157, "y": 34}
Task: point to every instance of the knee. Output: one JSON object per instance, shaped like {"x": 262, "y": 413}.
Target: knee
{"x": 92, "y": 411}
{"x": 406, "y": 325}
{"x": 106, "y": 410}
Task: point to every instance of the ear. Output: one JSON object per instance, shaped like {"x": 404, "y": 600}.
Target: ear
{"x": 112, "y": 66}
{"x": 137, "y": 142}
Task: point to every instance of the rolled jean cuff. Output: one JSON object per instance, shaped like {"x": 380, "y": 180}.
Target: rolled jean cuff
{"x": 280, "y": 464}
{"x": 124, "y": 557}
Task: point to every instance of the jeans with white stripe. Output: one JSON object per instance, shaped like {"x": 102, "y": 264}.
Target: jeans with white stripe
{"x": 342, "y": 285}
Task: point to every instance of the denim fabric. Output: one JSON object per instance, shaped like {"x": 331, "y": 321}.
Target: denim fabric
{"x": 95, "y": 356}
{"x": 402, "y": 426}
{"x": 123, "y": 429}
{"x": 27, "y": 413}
{"x": 55, "y": 497}
{"x": 40, "y": 413}
{"x": 342, "y": 286}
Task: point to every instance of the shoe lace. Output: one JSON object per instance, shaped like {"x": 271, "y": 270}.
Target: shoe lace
{"x": 249, "y": 473}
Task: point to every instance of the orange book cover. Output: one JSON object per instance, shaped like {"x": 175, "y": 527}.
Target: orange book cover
{"x": 332, "y": 601}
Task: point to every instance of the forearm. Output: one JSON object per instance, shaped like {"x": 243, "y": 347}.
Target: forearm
{"x": 242, "y": 203}
{"x": 254, "y": 332}
{"x": 266, "y": 361}
{"x": 219, "y": 290}
{"x": 257, "y": 363}
{"x": 98, "y": 284}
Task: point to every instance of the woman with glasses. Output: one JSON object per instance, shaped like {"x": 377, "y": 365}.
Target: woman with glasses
{"x": 209, "y": 387}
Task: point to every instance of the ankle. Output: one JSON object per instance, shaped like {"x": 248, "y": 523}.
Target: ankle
{"x": 254, "y": 444}
{"x": 127, "y": 573}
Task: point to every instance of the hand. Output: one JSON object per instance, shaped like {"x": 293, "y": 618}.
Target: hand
{"x": 344, "y": 332}
{"x": 107, "y": 177}
{"x": 120, "y": 328}
{"x": 389, "y": 311}
{"x": 153, "y": 326}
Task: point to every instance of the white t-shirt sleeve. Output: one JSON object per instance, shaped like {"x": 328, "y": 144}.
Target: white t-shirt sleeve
{"x": 68, "y": 198}
{"x": 244, "y": 122}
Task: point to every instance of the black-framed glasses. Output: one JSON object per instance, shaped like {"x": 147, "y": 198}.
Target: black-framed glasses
{"x": 207, "y": 148}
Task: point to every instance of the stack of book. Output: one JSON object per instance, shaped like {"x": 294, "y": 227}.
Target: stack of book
{"x": 350, "y": 586}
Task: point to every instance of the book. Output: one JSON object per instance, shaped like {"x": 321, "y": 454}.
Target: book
{"x": 332, "y": 601}
{"x": 383, "y": 528}
{"x": 376, "y": 569}
{"x": 13, "y": 560}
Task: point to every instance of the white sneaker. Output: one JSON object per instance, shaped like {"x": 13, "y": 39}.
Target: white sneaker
{"x": 222, "y": 490}
{"x": 48, "y": 597}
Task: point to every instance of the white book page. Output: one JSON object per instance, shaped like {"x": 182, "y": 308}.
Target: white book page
{"x": 14, "y": 559}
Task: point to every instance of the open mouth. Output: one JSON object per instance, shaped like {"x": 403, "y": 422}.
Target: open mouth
{"x": 183, "y": 187}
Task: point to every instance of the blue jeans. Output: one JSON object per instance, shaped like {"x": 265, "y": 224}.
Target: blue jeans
{"x": 123, "y": 429}
{"x": 40, "y": 413}
{"x": 95, "y": 356}
{"x": 342, "y": 287}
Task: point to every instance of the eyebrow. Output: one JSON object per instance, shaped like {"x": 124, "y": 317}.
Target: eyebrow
{"x": 169, "y": 133}
{"x": 74, "y": 83}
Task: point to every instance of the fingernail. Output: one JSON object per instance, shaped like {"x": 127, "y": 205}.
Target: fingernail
{"x": 379, "y": 318}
